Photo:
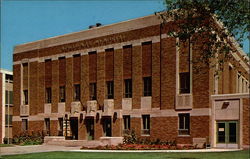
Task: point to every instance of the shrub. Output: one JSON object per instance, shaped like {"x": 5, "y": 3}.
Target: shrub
{"x": 36, "y": 138}
{"x": 130, "y": 138}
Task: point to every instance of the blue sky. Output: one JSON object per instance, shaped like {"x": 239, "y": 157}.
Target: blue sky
{"x": 25, "y": 21}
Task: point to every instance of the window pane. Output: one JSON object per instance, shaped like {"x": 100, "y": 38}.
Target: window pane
{"x": 110, "y": 89}
{"x": 232, "y": 133}
{"x": 128, "y": 88}
{"x": 25, "y": 92}
{"x": 6, "y": 97}
{"x": 187, "y": 122}
{"x": 6, "y": 119}
{"x": 221, "y": 132}
{"x": 146, "y": 121}
{"x": 11, "y": 97}
{"x": 181, "y": 121}
{"x": 126, "y": 121}
{"x": 77, "y": 92}
{"x": 92, "y": 91}
{"x": 184, "y": 124}
{"x": 185, "y": 82}
{"x": 48, "y": 95}
{"x": 147, "y": 86}
{"x": 62, "y": 94}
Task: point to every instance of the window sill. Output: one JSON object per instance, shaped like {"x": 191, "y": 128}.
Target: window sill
{"x": 10, "y": 105}
{"x": 8, "y": 126}
{"x": 145, "y": 134}
{"x": 184, "y": 135}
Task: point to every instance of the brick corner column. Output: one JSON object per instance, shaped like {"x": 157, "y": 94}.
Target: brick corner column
{"x": 156, "y": 75}
{"x": 100, "y": 78}
{"x": 33, "y": 87}
{"x": 55, "y": 86}
{"x": 69, "y": 83}
{"x": 118, "y": 82}
{"x": 84, "y": 79}
{"x": 136, "y": 76}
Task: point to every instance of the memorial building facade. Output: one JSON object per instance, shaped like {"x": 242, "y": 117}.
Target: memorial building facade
{"x": 109, "y": 80}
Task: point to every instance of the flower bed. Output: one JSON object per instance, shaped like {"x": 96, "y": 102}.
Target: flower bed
{"x": 139, "y": 147}
{"x": 132, "y": 142}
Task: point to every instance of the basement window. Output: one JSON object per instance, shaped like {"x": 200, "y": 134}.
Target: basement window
{"x": 184, "y": 124}
{"x": 145, "y": 125}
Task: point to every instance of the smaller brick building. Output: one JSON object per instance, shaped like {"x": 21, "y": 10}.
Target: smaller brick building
{"x": 104, "y": 81}
{"x": 6, "y": 105}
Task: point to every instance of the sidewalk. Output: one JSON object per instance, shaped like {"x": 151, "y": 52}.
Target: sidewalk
{"x": 34, "y": 149}
{"x": 48, "y": 148}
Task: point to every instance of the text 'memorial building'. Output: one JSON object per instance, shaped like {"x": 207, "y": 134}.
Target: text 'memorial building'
{"x": 100, "y": 83}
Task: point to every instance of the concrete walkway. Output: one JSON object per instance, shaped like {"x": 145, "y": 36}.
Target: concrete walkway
{"x": 34, "y": 149}
{"x": 49, "y": 148}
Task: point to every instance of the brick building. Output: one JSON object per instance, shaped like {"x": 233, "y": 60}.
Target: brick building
{"x": 99, "y": 83}
{"x": 6, "y": 105}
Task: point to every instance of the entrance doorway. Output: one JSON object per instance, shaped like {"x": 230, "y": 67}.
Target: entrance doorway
{"x": 227, "y": 134}
{"x": 107, "y": 129}
{"x": 90, "y": 128}
{"x": 74, "y": 127}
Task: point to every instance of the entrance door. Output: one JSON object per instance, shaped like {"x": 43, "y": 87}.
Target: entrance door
{"x": 74, "y": 128}
{"x": 107, "y": 129}
{"x": 227, "y": 134}
{"x": 90, "y": 128}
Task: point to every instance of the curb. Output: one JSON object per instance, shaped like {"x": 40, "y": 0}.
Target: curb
{"x": 150, "y": 151}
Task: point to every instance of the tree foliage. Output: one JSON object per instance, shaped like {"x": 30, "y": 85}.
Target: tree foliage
{"x": 217, "y": 20}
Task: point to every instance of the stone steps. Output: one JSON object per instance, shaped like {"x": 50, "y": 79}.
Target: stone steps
{"x": 56, "y": 140}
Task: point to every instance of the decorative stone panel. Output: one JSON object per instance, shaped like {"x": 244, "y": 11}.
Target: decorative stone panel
{"x": 184, "y": 101}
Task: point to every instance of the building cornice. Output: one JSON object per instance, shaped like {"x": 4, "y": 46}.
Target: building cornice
{"x": 105, "y": 30}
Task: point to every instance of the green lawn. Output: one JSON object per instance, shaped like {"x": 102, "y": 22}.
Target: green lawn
{"x": 100, "y": 155}
{"x": 6, "y": 145}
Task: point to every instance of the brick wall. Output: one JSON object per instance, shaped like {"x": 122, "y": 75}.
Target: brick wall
{"x": 168, "y": 71}
{"x": 69, "y": 83}
{"x": 136, "y": 61}
{"x": 82, "y": 132}
{"x": 246, "y": 117}
{"x": 85, "y": 80}
{"x": 33, "y": 87}
{"x": 1, "y": 108}
{"x": 136, "y": 77}
{"x": 118, "y": 79}
{"x": 156, "y": 75}
{"x": 164, "y": 128}
{"x": 55, "y": 86}
{"x": 117, "y": 127}
{"x": 101, "y": 86}
{"x": 41, "y": 87}
{"x": 16, "y": 90}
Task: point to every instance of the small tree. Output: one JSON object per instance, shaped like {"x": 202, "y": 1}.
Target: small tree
{"x": 216, "y": 20}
